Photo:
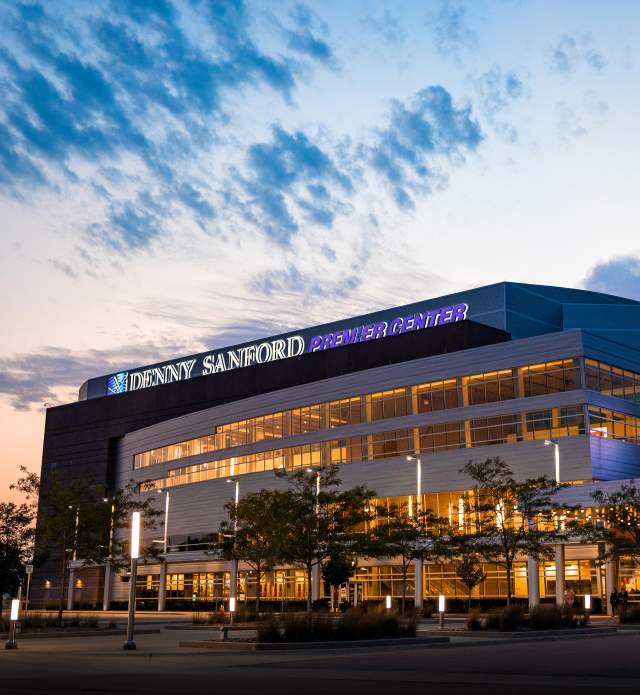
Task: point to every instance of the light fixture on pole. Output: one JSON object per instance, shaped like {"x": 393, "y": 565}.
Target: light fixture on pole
{"x": 315, "y": 570}
{"x": 162, "y": 584}
{"x": 387, "y": 602}
{"x": 549, "y": 442}
{"x": 11, "y": 643}
{"x": 29, "y": 571}
{"x": 234, "y": 562}
{"x": 441, "y": 601}
{"x": 418, "y": 480}
{"x": 587, "y": 602}
{"x": 135, "y": 551}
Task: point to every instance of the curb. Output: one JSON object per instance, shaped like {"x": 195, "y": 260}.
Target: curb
{"x": 298, "y": 646}
{"x": 79, "y": 633}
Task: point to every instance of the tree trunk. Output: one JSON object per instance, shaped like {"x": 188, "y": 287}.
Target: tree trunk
{"x": 470, "y": 590}
{"x": 508, "y": 568}
{"x": 258, "y": 570}
{"x": 62, "y": 589}
{"x": 404, "y": 588}
{"x": 309, "y": 588}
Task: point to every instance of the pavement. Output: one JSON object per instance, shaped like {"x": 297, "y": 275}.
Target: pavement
{"x": 99, "y": 665}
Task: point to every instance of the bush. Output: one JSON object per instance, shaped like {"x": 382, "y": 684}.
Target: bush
{"x": 474, "y": 621}
{"x": 505, "y": 619}
{"x": 352, "y": 625}
{"x": 632, "y": 615}
{"x": 428, "y": 609}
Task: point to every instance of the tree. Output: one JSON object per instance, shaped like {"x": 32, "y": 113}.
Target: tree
{"x": 252, "y": 533}
{"x": 470, "y": 572}
{"x": 620, "y": 511}
{"x": 74, "y": 519}
{"x": 337, "y": 570}
{"x": 507, "y": 518}
{"x": 419, "y": 536}
{"x": 16, "y": 544}
{"x": 319, "y": 523}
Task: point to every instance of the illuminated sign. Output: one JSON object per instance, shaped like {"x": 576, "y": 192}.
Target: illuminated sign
{"x": 278, "y": 349}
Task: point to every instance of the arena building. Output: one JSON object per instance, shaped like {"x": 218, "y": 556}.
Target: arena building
{"x": 492, "y": 371}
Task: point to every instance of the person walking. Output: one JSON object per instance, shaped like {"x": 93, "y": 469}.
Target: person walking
{"x": 613, "y": 600}
{"x": 624, "y": 601}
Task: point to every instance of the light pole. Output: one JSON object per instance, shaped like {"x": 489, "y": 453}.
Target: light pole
{"x": 234, "y": 562}
{"x": 106, "y": 594}
{"x": 74, "y": 555}
{"x": 29, "y": 570}
{"x": 417, "y": 565}
{"x": 549, "y": 442}
{"x": 162, "y": 586}
{"x": 11, "y": 643}
{"x": 315, "y": 572}
{"x": 135, "y": 550}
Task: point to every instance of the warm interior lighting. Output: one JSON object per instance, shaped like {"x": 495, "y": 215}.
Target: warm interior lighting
{"x": 135, "y": 535}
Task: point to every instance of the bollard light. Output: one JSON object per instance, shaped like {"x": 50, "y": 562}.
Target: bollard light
{"x": 13, "y": 617}
{"x": 387, "y": 603}
{"x": 441, "y": 603}
{"x": 232, "y": 604}
{"x": 587, "y": 602}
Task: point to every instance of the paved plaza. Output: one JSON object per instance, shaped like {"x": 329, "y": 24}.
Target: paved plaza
{"x": 98, "y": 665}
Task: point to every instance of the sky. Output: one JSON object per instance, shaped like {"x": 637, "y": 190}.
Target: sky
{"x": 182, "y": 175}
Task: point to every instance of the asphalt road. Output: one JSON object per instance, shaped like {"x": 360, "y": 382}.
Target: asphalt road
{"x": 98, "y": 665}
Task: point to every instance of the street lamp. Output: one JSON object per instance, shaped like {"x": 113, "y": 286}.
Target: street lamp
{"x": 135, "y": 551}
{"x": 418, "y": 480}
{"x": 107, "y": 569}
{"x": 549, "y": 442}
{"x": 234, "y": 561}
{"x": 315, "y": 570}
{"x": 162, "y": 588}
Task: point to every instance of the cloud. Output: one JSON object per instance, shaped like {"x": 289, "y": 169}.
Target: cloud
{"x": 292, "y": 179}
{"x": 139, "y": 89}
{"x": 31, "y": 379}
{"x": 308, "y": 35}
{"x": 420, "y": 133}
{"x": 497, "y": 91}
{"x": 619, "y": 276}
{"x": 387, "y": 27}
{"x": 573, "y": 50}
{"x": 451, "y": 34}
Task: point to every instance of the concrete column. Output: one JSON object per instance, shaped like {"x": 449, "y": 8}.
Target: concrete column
{"x": 610, "y": 581}
{"x": 106, "y": 595}
{"x": 560, "y": 574}
{"x": 162, "y": 586}
{"x": 315, "y": 582}
{"x": 418, "y": 583}
{"x": 533, "y": 582}
{"x": 71, "y": 589}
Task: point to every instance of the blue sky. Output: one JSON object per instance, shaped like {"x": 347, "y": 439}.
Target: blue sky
{"x": 180, "y": 175}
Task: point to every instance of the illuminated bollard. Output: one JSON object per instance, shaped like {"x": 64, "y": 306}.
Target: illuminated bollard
{"x": 15, "y": 609}
{"x": 387, "y": 603}
{"x": 441, "y": 611}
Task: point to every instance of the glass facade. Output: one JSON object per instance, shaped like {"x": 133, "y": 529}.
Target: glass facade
{"x": 611, "y": 424}
{"x": 555, "y": 422}
{"x": 612, "y": 381}
{"x": 489, "y": 387}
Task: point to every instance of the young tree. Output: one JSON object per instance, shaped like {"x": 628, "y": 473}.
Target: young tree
{"x": 620, "y": 511}
{"x": 253, "y": 532}
{"x": 470, "y": 572}
{"x": 16, "y": 544}
{"x": 320, "y": 518}
{"x": 337, "y": 570}
{"x": 420, "y": 536}
{"x": 509, "y": 518}
{"x": 74, "y": 520}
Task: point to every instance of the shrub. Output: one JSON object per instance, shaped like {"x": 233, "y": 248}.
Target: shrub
{"x": 428, "y": 609}
{"x": 632, "y": 615}
{"x": 269, "y": 631}
{"x": 474, "y": 621}
{"x": 546, "y": 616}
{"x": 506, "y": 619}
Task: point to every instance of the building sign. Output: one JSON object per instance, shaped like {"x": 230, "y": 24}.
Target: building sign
{"x": 281, "y": 348}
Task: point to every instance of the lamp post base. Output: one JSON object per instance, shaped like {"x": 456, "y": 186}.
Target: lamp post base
{"x": 11, "y": 645}
{"x": 129, "y": 646}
